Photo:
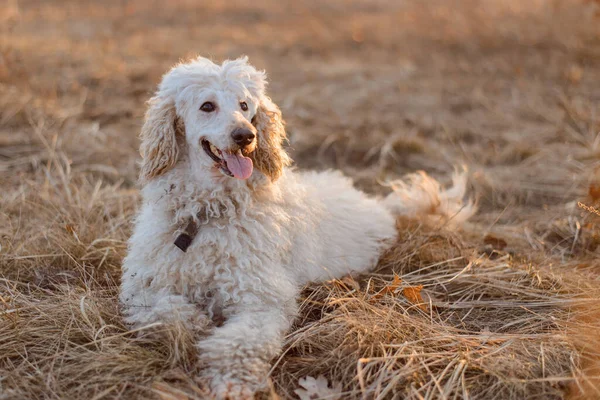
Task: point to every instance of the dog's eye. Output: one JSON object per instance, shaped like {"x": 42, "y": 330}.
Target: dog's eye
{"x": 207, "y": 107}
{"x": 244, "y": 106}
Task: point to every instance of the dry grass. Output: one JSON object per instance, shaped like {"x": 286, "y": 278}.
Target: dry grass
{"x": 375, "y": 88}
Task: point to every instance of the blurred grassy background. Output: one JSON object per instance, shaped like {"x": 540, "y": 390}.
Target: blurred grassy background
{"x": 372, "y": 87}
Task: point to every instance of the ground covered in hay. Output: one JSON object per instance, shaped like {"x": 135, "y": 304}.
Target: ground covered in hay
{"x": 506, "y": 308}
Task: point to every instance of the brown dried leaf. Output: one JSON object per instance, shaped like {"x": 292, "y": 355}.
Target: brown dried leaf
{"x": 70, "y": 228}
{"x": 495, "y": 242}
{"x": 390, "y": 288}
{"x": 413, "y": 294}
{"x": 594, "y": 192}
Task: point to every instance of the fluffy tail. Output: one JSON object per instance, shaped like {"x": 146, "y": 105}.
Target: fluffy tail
{"x": 421, "y": 196}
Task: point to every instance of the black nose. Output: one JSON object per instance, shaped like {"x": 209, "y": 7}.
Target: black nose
{"x": 242, "y": 136}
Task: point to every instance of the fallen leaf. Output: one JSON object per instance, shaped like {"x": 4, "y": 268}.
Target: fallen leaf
{"x": 495, "y": 242}
{"x": 70, "y": 228}
{"x": 391, "y": 288}
{"x": 594, "y": 192}
{"x": 413, "y": 294}
{"x": 313, "y": 389}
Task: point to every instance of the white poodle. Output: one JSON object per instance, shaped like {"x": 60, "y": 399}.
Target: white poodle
{"x": 227, "y": 235}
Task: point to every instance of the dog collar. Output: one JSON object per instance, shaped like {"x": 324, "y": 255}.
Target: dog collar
{"x": 185, "y": 238}
{"x": 190, "y": 229}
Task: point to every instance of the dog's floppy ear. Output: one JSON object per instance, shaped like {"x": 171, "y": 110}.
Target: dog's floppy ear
{"x": 159, "y": 148}
{"x": 269, "y": 157}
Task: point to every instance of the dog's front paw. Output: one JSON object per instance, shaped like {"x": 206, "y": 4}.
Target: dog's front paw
{"x": 233, "y": 385}
{"x": 230, "y": 390}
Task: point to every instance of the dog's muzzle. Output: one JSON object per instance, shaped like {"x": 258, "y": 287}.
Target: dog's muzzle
{"x": 242, "y": 137}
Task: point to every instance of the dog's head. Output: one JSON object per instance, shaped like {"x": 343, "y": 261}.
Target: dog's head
{"x": 223, "y": 116}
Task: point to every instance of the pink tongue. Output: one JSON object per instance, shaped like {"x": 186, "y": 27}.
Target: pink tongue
{"x": 238, "y": 165}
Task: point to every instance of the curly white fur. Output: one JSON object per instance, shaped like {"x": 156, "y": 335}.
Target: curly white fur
{"x": 259, "y": 240}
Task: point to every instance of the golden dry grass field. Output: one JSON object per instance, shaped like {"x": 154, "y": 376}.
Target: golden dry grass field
{"x": 376, "y": 88}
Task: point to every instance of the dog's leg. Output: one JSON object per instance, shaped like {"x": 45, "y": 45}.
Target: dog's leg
{"x": 169, "y": 309}
{"x": 237, "y": 355}
{"x": 144, "y": 305}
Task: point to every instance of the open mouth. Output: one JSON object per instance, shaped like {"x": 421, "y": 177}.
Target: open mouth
{"x": 233, "y": 164}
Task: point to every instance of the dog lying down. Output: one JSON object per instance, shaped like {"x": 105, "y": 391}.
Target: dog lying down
{"x": 227, "y": 232}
